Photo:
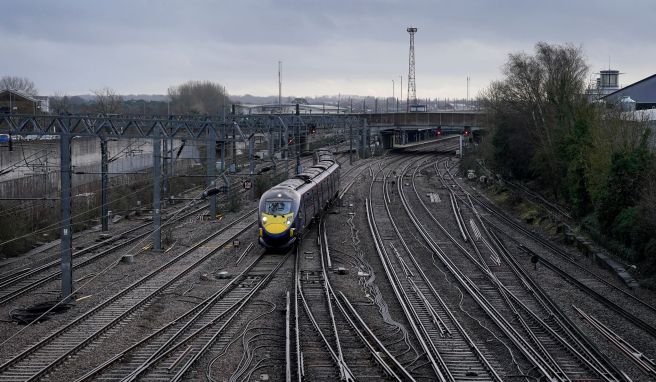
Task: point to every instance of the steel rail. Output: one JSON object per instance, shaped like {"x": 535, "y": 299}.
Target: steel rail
{"x": 521, "y": 343}
{"x": 511, "y": 300}
{"x": 329, "y": 303}
{"x": 565, "y": 275}
{"x": 401, "y": 296}
{"x": 587, "y": 352}
{"x": 638, "y": 357}
{"x": 508, "y": 220}
{"x": 366, "y": 332}
{"x": 234, "y": 309}
{"x": 345, "y": 371}
{"x": 26, "y": 285}
{"x": 330, "y": 295}
{"x": 68, "y": 346}
{"x": 189, "y": 317}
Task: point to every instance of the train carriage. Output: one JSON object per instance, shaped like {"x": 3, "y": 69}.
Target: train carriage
{"x": 288, "y": 208}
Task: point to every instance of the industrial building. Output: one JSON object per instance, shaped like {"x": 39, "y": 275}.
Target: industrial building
{"x": 643, "y": 93}
{"x": 16, "y": 102}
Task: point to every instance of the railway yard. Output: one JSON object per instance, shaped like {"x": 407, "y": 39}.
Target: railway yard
{"x": 412, "y": 274}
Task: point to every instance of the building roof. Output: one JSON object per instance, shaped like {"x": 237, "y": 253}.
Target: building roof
{"x": 19, "y": 94}
{"x": 643, "y": 91}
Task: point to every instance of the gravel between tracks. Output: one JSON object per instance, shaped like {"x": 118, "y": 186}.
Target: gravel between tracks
{"x": 345, "y": 222}
{"x": 160, "y": 310}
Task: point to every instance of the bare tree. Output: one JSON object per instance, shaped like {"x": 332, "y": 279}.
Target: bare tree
{"x": 107, "y": 101}
{"x": 60, "y": 103}
{"x": 543, "y": 96}
{"x": 198, "y": 97}
{"x": 22, "y": 84}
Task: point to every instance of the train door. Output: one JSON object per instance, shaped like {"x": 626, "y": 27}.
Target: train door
{"x": 331, "y": 182}
{"x": 305, "y": 207}
{"x": 309, "y": 208}
{"x": 323, "y": 193}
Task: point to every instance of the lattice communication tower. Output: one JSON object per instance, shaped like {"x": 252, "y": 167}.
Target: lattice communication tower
{"x": 412, "y": 87}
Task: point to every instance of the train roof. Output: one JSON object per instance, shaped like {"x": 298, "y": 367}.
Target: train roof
{"x": 324, "y": 159}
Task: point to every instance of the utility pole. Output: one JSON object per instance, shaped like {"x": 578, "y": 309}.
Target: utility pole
{"x": 297, "y": 142}
{"x": 66, "y": 226}
{"x": 165, "y": 168}
{"x": 104, "y": 200}
{"x": 157, "y": 170}
{"x": 280, "y": 86}
{"x": 401, "y": 97}
{"x": 393, "y": 95}
{"x": 211, "y": 167}
{"x": 412, "y": 86}
{"x": 350, "y": 143}
{"x": 467, "y": 100}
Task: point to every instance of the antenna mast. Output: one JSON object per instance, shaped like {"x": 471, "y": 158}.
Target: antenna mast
{"x": 280, "y": 85}
{"x": 412, "y": 87}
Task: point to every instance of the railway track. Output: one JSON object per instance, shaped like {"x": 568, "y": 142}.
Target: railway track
{"x": 452, "y": 354}
{"x": 536, "y": 326}
{"x": 16, "y": 284}
{"x": 45, "y": 355}
{"x": 590, "y": 283}
{"x": 352, "y": 354}
{"x": 171, "y": 351}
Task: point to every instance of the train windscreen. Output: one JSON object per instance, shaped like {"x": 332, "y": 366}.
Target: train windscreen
{"x": 278, "y": 207}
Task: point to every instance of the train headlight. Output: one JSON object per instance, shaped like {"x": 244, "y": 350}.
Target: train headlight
{"x": 264, "y": 219}
{"x": 289, "y": 221}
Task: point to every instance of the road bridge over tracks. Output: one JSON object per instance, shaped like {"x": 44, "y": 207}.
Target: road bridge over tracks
{"x": 396, "y": 129}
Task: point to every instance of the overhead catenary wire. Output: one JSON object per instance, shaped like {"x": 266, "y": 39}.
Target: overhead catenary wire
{"x": 58, "y": 223}
{"x": 65, "y": 299}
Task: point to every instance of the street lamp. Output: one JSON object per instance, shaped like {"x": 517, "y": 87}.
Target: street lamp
{"x": 401, "y": 97}
{"x": 393, "y": 98}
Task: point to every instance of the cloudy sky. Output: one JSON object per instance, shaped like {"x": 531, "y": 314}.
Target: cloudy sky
{"x": 327, "y": 47}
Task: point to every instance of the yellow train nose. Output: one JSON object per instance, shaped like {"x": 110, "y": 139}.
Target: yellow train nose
{"x": 276, "y": 228}
{"x": 275, "y": 225}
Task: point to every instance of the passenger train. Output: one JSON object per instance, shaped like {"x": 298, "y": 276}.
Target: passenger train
{"x": 288, "y": 208}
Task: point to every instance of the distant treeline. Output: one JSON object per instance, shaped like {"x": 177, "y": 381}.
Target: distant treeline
{"x": 192, "y": 97}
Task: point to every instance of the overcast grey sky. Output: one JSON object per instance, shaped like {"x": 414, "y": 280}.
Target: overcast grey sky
{"x": 327, "y": 47}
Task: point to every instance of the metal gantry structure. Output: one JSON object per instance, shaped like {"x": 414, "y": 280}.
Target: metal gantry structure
{"x": 412, "y": 86}
{"x": 224, "y": 129}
